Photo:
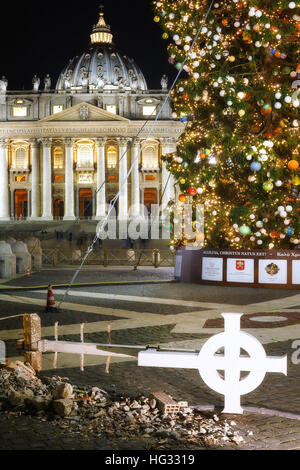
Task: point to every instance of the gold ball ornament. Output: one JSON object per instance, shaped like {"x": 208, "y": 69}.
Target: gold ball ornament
{"x": 182, "y": 198}
{"x": 296, "y": 181}
{"x": 284, "y": 123}
{"x": 293, "y": 165}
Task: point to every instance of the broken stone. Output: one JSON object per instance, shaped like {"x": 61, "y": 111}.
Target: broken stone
{"x": 93, "y": 413}
{"x": 38, "y": 403}
{"x": 183, "y": 404}
{"x": 149, "y": 430}
{"x": 135, "y": 405}
{"x": 63, "y": 391}
{"x": 153, "y": 403}
{"x": 237, "y": 439}
{"x": 130, "y": 418}
{"x": 63, "y": 407}
{"x": 18, "y": 398}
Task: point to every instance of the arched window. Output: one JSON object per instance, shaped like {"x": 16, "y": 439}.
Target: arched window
{"x": 150, "y": 158}
{"x": 21, "y": 158}
{"x": 58, "y": 158}
{"x": 85, "y": 156}
{"x": 112, "y": 158}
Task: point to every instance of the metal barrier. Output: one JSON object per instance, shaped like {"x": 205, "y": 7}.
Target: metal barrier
{"x": 156, "y": 258}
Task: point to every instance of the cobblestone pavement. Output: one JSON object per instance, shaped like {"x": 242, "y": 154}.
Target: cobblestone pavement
{"x": 173, "y": 315}
{"x": 93, "y": 274}
{"x": 27, "y": 432}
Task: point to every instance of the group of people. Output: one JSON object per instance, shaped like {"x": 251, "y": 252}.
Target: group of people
{"x": 60, "y": 235}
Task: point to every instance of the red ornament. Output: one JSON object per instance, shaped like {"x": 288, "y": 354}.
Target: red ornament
{"x": 192, "y": 191}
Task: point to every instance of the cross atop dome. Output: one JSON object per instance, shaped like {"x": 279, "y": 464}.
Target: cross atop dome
{"x": 101, "y": 31}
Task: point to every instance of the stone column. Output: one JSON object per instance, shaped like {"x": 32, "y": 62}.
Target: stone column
{"x": 93, "y": 202}
{"x": 35, "y": 179}
{"x": 69, "y": 180}
{"x": 29, "y": 201}
{"x": 135, "y": 180}
{"x": 47, "y": 180}
{"x": 77, "y": 203}
{"x": 101, "y": 186}
{"x": 123, "y": 185}
{"x": 168, "y": 146}
{"x": 4, "y": 198}
{"x": 12, "y": 203}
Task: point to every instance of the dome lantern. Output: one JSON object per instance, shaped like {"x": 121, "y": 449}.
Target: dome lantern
{"x": 101, "y": 31}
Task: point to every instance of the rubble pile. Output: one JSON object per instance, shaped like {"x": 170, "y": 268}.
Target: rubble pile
{"x": 92, "y": 412}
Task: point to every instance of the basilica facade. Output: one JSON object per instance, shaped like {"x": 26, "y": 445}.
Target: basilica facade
{"x": 65, "y": 152}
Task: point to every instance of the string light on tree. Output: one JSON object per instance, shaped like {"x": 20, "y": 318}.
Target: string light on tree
{"x": 238, "y": 86}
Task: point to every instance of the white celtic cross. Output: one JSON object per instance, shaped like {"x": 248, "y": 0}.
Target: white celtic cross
{"x": 231, "y": 363}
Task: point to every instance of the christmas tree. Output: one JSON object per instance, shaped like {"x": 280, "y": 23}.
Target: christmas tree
{"x": 239, "y": 153}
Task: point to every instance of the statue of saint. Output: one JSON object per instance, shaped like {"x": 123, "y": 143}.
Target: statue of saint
{"x": 47, "y": 82}
{"x": 3, "y": 85}
{"x": 133, "y": 79}
{"x": 36, "y": 83}
{"x": 84, "y": 77}
{"x": 119, "y": 78}
{"x": 67, "y": 80}
{"x": 164, "y": 83}
{"x": 100, "y": 78}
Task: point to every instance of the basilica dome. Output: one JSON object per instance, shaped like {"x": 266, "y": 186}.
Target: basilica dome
{"x": 101, "y": 67}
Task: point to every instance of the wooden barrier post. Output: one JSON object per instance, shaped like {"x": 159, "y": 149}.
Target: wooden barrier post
{"x": 32, "y": 336}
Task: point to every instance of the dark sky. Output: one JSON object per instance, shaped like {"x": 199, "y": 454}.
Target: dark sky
{"x": 41, "y": 36}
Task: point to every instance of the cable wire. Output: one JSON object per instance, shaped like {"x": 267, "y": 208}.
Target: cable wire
{"x": 122, "y": 184}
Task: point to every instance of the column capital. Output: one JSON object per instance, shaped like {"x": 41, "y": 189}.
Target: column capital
{"x": 101, "y": 141}
{"x": 4, "y": 143}
{"x": 69, "y": 141}
{"x": 46, "y": 142}
{"x": 123, "y": 140}
{"x": 167, "y": 140}
{"x": 136, "y": 142}
{"x": 35, "y": 143}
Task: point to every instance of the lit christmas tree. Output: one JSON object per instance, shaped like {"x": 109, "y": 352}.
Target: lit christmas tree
{"x": 239, "y": 153}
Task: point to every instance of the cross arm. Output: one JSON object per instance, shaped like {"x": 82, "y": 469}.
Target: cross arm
{"x": 181, "y": 359}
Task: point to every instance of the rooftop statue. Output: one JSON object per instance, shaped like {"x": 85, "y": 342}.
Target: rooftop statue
{"x": 3, "y": 85}
{"x": 36, "y": 83}
{"x": 47, "y": 83}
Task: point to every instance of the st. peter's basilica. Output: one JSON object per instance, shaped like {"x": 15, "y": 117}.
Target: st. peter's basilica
{"x": 65, "y": 152}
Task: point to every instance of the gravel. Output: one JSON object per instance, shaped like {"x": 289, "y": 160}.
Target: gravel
{"x": 92, "y": 412}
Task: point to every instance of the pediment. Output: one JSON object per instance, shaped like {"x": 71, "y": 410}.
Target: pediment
{"x": 84, "y": 112}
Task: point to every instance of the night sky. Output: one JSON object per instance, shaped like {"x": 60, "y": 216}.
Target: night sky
{"x": 41, "y": 36}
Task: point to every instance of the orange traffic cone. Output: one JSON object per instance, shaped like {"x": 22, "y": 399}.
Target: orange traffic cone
{"x": 51, "y": 305}
{"x": 28, "y": 272}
